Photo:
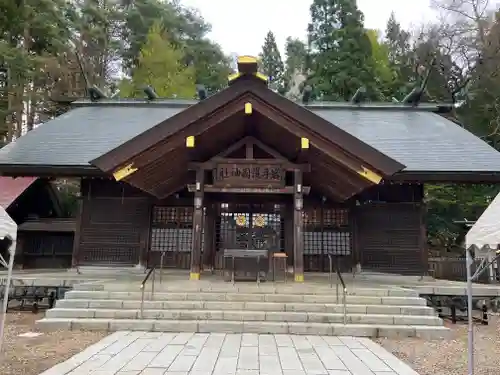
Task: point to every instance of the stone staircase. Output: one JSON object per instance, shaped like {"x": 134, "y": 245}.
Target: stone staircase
{"x": 268, "y": 308}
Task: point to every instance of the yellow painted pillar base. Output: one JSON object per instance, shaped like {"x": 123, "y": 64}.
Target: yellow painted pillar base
{"x": 299, "y": 278}
{"x": 194, "y": 276}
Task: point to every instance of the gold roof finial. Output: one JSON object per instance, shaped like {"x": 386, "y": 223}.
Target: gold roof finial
{"x": 247, "y": 65}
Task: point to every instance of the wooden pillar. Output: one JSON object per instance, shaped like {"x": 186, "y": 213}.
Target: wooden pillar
{"x": 209, "y": 249}
{"x": 75, "y": 259}
{"x": 298, "y": 236}
{"x": 356, "y": 256}
{"x": 423, "y": 240}
{"x": 289, "y": 236}
{"x": 145, "y": 235}
{"x": 197, "y": 226}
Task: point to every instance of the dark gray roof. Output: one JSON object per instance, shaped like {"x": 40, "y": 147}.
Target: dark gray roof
{"x": 419, "y": 139}
{"x": 83, "y": 134}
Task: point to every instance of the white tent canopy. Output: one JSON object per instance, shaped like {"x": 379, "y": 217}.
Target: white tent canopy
{"x": 486, "y": 231}
{"x": 8, "y": 227}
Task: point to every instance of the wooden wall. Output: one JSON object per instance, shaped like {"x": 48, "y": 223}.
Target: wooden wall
{"x": 37, "y": 249}
{"x": 328, "y": 231}
{"x": 171, "y": 234}
{"x": 389, "y": 238}
{"x": 114, "y": 224}
{"x": 384, "y": 227}
{"x": 390, "y": 231}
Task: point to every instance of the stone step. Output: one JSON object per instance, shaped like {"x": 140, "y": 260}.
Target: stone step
{"x": 309, "y": 328}
{"x": 104, "y": 270}
{"x": 244, "y": 297}
{"x": 243, "y": 315}
{"x": 278, "y": 288}
{"x": 247, "y": 306}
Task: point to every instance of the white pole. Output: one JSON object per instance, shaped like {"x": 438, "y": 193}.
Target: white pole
{"x": 470, "y": 336}
{"x": 3, "y": 316}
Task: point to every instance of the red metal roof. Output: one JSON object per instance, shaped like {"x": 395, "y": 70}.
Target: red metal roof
{"x": 12, "y": 188}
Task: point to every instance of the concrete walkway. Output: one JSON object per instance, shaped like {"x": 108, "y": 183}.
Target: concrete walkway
{"x": 152, "y": 353}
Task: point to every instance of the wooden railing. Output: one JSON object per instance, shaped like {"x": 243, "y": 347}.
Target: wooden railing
{"x": 453, "y": 269}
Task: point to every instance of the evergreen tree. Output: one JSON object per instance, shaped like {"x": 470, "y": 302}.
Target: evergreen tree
{"x": 397, "y": 41}
{"x": 271, "y": 63}
{"x": 187, "y": 31}
{"x": 161, "y": 65}
{"x": 295, "y": 63}
{"x": 33, "y": 36}
{"x": 384, "y": 74}
{"x": 341, "y": 50}
{"x": 401, "y": 58}
{"x": 99, "y": 38}
{"x": 211, "y": 66}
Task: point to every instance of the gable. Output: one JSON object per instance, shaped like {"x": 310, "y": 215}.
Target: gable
{"x": 13, "y": 188}
{"x": 228, "y": 103}
{"x": 421, "y": 140}
{"x": 157, "y": 161}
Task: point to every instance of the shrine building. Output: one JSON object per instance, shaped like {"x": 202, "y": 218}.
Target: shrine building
{"x": 246, "y": 169}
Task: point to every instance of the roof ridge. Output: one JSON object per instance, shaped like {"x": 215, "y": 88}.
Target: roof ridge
{"x": 185, "y": 103}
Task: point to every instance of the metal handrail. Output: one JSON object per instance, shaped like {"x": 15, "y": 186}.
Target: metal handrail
{"x": 161, "y": 265}
{"x": 344, "y": 293}
{"x": 143, "y": 288}
{"x": 344, "y": 288}
{"x": 330, "y": 276}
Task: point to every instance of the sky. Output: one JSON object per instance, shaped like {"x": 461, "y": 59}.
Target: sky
{"x": 240, "y": 26}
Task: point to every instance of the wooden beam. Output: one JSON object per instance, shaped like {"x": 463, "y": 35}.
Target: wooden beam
{"x": 249, "y": 150}
{"x": 275, "y": 154}
{"x": 165, "y": 178}
{"x": 75, "y": 258}
{"x": 197, "y": 226}
{"x": 347, "y": 179}
{"x": 176, "y": 140}
{"x": 253, "y": 141}
{"x": 209, "y": 240}
{"x": 211, "y": 164}
{"x": 333, "y": 182}
{"x": 303, "y": 155}
{"x": 352, "y": 179}
{"x": 156, "y": 175}
{"x": 145, "y": 234}
{"x": 335, "y": 152}
{"x": 170, "y": 189}
{"x": 335, "y": 193}
{"x": 235, "y": 146}
{"x": 124, "y": 172}
{"x": 298, "y": 227}
{"x": 249, "y": 190}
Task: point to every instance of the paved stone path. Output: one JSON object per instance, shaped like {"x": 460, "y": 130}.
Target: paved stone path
{"x": 152, "y": 353}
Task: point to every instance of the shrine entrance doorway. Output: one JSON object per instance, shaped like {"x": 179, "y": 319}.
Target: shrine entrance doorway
{"x": 250, "y": 226}
{"x": 250, "y": 191}
{"x": 253, "y": 227}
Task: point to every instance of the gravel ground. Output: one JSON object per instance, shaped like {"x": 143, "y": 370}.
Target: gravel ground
{"x": 449, "y": 357}
{"x": 31, "y": 356}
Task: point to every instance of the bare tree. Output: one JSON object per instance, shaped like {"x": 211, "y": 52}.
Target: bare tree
{"x": 463, "y": 32}
{"x": 469, "y": 31}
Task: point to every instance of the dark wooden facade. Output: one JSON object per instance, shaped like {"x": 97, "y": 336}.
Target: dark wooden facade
{"x": 382, "y": 229}
{"x": 249, "y": 169}
{"x": 45, "y": 235}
